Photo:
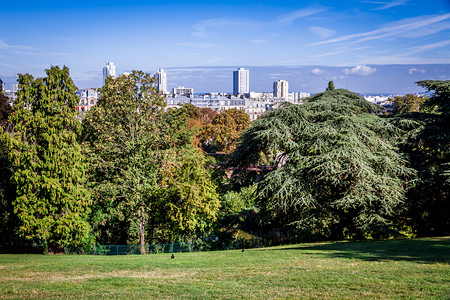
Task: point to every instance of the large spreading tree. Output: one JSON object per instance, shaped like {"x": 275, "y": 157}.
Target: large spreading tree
{"x": 145, "y": 174}
{"x": 337, "y": 168}
{"x": 48, "y": 167}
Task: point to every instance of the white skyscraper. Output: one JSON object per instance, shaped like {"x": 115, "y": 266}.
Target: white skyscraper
{"x": 240, "y": 81}
{"x": 109, "y": 70}
{"x": 161, "y": 83}
{"x": 281, "y": 89}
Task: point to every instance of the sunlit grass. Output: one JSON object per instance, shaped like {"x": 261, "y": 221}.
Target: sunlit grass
{"x": 384, "y": 269}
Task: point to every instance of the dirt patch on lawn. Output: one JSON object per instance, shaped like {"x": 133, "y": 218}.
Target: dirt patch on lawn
{"x": 156, "y": 274}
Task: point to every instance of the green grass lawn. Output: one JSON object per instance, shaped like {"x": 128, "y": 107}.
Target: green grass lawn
{"x": 347, "y": 270}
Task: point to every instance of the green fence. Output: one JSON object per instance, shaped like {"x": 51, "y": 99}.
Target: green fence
{"x": 199, "y": 245}
{"x": 136, "y": 249}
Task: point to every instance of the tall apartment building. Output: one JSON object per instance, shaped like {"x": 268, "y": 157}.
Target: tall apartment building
{"x": 161, "y": 83}
{"x": 109, "y": 70}
{"x": 240, "y": 81}
{"x": 281, "y": 89}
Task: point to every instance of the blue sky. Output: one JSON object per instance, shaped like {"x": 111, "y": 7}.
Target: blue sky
{"x": 353, "y": 36}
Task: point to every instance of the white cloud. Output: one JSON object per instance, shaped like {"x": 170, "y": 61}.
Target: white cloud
{"x": 386, "y": 5}
{"x": 289, "y": 18}
{"x": 317, "y": 71}
{"x": 415, "y": 70}
{"x": 401, "y": 28}
{"x": 361, "y": 70}
{"x": 322, "y": 32}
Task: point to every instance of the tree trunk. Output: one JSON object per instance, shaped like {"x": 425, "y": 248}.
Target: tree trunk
{"x": 141, "y": 231}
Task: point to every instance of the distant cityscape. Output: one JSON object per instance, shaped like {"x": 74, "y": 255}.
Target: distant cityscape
{"x": 253, "y": 103}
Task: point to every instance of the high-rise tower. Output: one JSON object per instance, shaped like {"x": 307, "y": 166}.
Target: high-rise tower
{"x": 281, "y": 89}
{"x": 240, "y": 81}
{"x": 161, "y": 83}
{"x": 109, "y": 70}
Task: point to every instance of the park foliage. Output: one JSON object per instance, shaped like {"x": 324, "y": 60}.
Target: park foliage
{"x": 133, "y": 171}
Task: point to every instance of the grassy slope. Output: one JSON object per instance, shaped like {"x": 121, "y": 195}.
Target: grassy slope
{"x": 383, "y": 269}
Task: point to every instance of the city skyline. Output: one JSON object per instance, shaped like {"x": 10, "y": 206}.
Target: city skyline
{"x": 362, "y": 37}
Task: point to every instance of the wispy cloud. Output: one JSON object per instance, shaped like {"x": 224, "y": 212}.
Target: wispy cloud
{"x": 338, "y": 51}
{"x": 41, "y": 53}
{"x": 201, "y": 29}
{"x": 430, "y": 46}
{"x": 387, "y": 5}
{"x": 322, "y": 32}
{"x": 197, "y": 45}
{"x": 402, "y": 58}
{"x": 210, "y": 61}
{"x": 4, "y": 45}
{"x": 428, "y": 30}
{"x": 361, "y": 70}
{"x": 399, "y": 29}
{"x": 256, "y": 41}
{"x": 2, "y": 63}
{"x": 289, "y": 18}
{"x": 327, "y": 53}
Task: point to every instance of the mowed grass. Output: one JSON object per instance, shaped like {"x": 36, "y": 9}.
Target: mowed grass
{"x": 347, "y": 270}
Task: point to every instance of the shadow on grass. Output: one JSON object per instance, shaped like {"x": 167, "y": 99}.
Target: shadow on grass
{"x": 431, "y": 250}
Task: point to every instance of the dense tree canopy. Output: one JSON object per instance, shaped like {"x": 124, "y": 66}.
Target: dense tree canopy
{"x": 340, "y": 164}
{"x": 136, "y": 152}
{"x": 7, "y": 216}
{"x": 48, "y": 168}
{"x": 338, "y": 168}
{"x": 408, "y": 103}
{"x": 5, "y": 108}
{"x": 224, "y": 131}
{"x": 427, "y": 142}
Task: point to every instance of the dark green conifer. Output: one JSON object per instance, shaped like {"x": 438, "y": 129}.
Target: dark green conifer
{"x": 338, "y": 164}
{"x": 48, "y": 167}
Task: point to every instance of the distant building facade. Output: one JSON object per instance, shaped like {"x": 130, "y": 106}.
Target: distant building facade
{"x": 161, "y": 81}
{"x": 241, "y": 83}
{"x": 109, "y": 70}
{"x": 254, "y": 108}
{"x": 281, "y": 89}
{"x": 11, "y": 94}
{"x": 88, "y": 99}
{"x": 182, "y": 91}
